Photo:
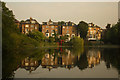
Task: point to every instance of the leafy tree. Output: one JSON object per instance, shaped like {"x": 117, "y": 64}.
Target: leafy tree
{"x": 112, "y": 34}
{"x": 37, "y": 36}
{"x": 77, "y": 42}
{"x": 82, "y": 62}
{"x": 63, "y": 37}
{"x": 108, "y": 26}
{"x": 82, "y": 29}
{"x": 56, "y": 36}
{"x": 51, "y": 39}
{"x": 61, "y": 23}
{"x": 13, "y": 42}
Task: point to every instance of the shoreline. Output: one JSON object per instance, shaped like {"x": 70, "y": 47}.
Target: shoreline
{"x": 90, "y": 46}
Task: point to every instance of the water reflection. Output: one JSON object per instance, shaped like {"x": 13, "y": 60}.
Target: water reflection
{"x": 65, "y": 58}
{"x": 29, "y": 64}
{"x": 93, "y": 57}
{"x": 55, "y": 60}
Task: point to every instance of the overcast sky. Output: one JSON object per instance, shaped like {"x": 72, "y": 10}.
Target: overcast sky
{"x": 100, "y": 13}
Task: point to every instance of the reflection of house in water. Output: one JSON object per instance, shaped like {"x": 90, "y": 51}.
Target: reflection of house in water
{"x": 29, "y": 64}
{"x": 93, "y": 57}
{"x": 68, "y": 60}
{"x": 60, "y": 60}
{"x": 49, "y": 61}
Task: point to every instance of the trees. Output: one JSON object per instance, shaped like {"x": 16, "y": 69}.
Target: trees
{"x": 61, "y": 23}
{"x": 37, "y": 36}
{"x": 77, "y": 42}
{"x": 112, "y": 34}
{"x": 82, "y": 29}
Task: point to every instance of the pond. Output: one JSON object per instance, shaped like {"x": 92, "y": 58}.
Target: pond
{"x": 67, "y": 63}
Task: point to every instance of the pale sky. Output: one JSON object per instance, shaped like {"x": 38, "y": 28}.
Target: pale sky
{"x": 100, "y": 13}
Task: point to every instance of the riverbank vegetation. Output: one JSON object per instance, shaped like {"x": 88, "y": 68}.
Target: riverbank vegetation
{"x": 112, "y": 34}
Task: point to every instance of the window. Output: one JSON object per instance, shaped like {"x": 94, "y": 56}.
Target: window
{"x": 91, "y": 32}
{"x": 32, "y": 21}
{"x": 32, "y": 25}
{"x": 89, "y": 28}
{"x": 67, "y": 27}
{"x": 52, "y": 34}
{"x": 46, "y": 30}
{"x": 52, "y": 30}
{"x": 26, "y": 30}
{"x": 94, "y": 31}
{"x": 67, "y": 31}
{"x": 73, "y": 35}
{"x": 31, "y": 29}
{"x": 23, "y": 27}
{"x": 68, "y": 35}
{"x": 52, "y": 26}
{"x": 46, "y": 26}
{"x": 43, "y": 27}
{"x": 35, "y": 27}
{"x": 26, "y": 25}
{"x": 90, "y": 36}
{"x": 47, "y": 34}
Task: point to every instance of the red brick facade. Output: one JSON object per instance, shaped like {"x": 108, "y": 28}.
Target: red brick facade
{"x": 94, "y": 32}
{"x": 67, "y": 29}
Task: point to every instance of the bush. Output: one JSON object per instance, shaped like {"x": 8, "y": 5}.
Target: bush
{"x": 77, "y": 42}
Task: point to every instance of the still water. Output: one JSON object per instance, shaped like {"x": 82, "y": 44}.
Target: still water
{"x": 70, "y": 63}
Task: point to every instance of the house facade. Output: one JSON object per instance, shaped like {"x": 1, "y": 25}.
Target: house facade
{"x": 29, "y": 25}
{"x": 94, "y": 32}
{"x": 17, "y": 23}
{"x": 48, "y": 28}
{"x": 68, "y": 28}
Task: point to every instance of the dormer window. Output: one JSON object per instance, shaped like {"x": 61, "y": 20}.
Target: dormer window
{"x": 32, "y": 21}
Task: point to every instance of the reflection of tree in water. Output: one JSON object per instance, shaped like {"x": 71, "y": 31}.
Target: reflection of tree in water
{"x": 112, "y": 57}
{"x": 82, "y": 62}
{"x": 90, "y": 58}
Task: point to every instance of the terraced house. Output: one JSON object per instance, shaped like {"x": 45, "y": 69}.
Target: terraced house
{"x": 68, "y": 28}
{"x": 94, "y": 32}
{"x": 49, "y": 27}
{"x": 65, "y": 29}
{"x": 29, "y": 25}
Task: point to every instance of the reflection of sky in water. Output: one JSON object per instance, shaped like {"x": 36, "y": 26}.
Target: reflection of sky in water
{"x": 96, "y": 68}
{"x": 96, "y": 72}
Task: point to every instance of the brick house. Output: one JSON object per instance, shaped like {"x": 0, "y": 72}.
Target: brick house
{"x": 17, "y": 23}
{"x": 49, "y": 27}
{"x": 29, "y": 25}
{"x": 67, "y": 29}
{"x": 94, "y": 32}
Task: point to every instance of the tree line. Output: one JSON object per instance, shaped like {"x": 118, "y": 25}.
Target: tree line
{"x": 111, "y": 35}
